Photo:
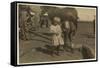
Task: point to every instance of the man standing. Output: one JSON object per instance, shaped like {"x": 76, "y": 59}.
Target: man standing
{"x": 66, "y": 27}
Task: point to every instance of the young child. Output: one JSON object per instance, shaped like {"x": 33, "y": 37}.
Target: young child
{"x": 56, "y": 31}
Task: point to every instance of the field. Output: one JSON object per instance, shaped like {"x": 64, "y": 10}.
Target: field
{"x": 35, "y": 50}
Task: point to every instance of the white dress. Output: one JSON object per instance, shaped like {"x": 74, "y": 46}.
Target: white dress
{"x": 57, "y": 35}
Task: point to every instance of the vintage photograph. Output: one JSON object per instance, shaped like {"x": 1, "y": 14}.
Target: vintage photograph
{"x": 55, "y": 33}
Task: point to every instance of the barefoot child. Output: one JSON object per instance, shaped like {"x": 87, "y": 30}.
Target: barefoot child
{"x": 56, "y": 31}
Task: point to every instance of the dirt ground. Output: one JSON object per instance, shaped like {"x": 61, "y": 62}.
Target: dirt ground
{"x": 35, "y": 50}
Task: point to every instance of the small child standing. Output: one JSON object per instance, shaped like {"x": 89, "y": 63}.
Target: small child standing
{"x": 56, "y": 31}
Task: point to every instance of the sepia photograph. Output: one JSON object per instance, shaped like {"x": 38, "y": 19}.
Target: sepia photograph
{"x": 54, "y": 33}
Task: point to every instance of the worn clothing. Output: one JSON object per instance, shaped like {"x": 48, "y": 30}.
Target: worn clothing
{"x": 67, "y": 24}
{"x": 66, "y": 33}
{"x": 57, "y": 35}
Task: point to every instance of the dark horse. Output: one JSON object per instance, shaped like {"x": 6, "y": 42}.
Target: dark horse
{"x": 69, "y": 14}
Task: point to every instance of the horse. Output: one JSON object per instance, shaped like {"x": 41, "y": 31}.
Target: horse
{"x": 69, "y": 14}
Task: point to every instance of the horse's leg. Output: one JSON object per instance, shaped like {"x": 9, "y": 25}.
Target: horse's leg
{"x": 70, "y": 36}
{"x": 73, "y": 33}
{"x": 65, "y": 40}
{"x": 76, "y": 26}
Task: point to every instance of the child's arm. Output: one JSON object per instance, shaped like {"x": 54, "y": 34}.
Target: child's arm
{"x": 52, "y": 30}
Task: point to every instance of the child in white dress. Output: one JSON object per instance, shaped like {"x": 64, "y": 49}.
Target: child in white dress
{"x": 56, "y": 31}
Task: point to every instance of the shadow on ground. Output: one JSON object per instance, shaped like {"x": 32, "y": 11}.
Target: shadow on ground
{"x": 47, "y": 49}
